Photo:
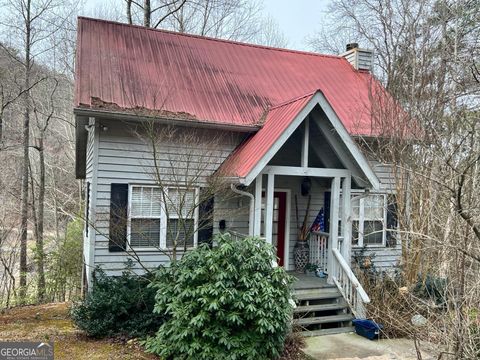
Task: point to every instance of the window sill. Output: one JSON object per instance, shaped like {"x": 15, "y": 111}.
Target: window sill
{"x": 158, "y": 249}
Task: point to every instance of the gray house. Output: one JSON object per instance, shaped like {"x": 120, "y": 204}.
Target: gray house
{"x": 180, "y": 137}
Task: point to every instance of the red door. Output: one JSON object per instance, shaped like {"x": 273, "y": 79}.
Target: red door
{"x": 278, "y": 226}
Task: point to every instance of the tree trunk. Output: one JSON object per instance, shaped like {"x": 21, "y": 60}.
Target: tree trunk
{"x": 147, "y": 13}
{"x": 129, "y": 12}
{"x": 40, "y": 218}
{"x": 25, "y": 172}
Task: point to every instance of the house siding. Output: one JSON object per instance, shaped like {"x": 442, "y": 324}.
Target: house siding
{"x": 384, "y": 258}
{"x": 385, "y": 174}
{"x": 120, "y": 156}
{"x": 124, "y": 157}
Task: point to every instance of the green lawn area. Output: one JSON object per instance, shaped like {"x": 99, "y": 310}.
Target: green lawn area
{"x": 51, "y": 322}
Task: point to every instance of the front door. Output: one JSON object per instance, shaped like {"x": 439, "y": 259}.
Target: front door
{"x": 279, "y": 220}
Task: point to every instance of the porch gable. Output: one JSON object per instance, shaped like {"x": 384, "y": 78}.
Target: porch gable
{"x": 251, "y": 158}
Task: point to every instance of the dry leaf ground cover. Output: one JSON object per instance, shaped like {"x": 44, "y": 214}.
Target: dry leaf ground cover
{"x": 51, "y": 322}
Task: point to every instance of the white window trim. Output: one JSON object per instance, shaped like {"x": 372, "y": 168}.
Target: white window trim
{"x": 361, "y": 220}
{"x": 163, "y": 220}
{"x": 87, "y": 211}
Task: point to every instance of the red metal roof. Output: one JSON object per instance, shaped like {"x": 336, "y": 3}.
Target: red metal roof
{"x": 130, "y": 68}
{"x": 246, "y": 156}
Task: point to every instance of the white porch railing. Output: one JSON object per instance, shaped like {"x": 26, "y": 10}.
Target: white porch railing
{"x": 318, "y": 245}
{"x": 240, "y": 236}
{"x": 235, "y": 235}
{"x": 349, "y": 286}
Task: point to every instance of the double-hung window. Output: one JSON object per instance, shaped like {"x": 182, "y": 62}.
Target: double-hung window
{"x": 181, "y": 221}
{"x": 161, "y": 220}
{"x": 369, "y": 220}
{"x": 145, "y": 216}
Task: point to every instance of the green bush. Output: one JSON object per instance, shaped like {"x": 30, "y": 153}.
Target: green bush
{"x": 120, "y": 305}
{"x": 223, "y": 303}
{"x": 63, "y": 266}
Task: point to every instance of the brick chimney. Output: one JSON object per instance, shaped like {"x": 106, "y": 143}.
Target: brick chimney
{"x": 360, "y": 59}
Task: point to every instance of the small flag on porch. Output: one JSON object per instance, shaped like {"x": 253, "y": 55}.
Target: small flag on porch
{"x": 318, "y": 224}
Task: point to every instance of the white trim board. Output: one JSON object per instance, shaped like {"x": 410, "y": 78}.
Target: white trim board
{"x": 288, "y": 210}
{"x": 92, "y": 231}
{"x": 317, "y": 99}
{"x": 300, "y": 171}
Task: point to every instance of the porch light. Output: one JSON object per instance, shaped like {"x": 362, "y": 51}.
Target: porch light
{"x": 306, "y": 186}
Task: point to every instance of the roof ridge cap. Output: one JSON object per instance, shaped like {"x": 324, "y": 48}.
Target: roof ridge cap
{"x": 233, "y": 42}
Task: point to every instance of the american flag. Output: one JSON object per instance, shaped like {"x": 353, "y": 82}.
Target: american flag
{"x": 319, "y": 223}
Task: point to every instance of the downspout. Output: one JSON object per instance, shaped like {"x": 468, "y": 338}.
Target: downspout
{"x": 252, "y": 206}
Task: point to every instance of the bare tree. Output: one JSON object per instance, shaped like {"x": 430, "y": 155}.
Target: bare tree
{"x": 180, "y": 165}
{"x": 227, "y": 19}
{"x": 154, "y": 13}
{"x": 43, "y": 114}
{"x": 34, "y": 23}
{"x": 425, "y": 53}
{"x": 269, "y": 34}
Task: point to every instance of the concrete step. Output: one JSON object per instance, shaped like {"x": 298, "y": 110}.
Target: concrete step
{"x": 323, "y": 319}
{"x": 322, "y": 332}
{"x": 323, "y": 307}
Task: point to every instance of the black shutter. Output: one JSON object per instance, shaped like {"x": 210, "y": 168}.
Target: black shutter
{"x": 392, "y": 220}
{"x": 117, "y": 240}
{"x": 326, "y": 205}
{"x": 205, "y": 215}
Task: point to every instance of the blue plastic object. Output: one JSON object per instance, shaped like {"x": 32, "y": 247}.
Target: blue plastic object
{"x": 367, "y": 328}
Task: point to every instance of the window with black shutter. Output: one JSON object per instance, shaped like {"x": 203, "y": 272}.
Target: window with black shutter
{"x": 205, "y": 216}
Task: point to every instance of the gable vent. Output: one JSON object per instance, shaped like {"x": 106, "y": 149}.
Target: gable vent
{"x": 360, "y": 59}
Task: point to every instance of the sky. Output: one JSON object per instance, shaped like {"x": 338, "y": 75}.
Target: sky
{"x": 297, "y": 19}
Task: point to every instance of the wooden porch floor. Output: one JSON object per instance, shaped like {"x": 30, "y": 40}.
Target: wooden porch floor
{"x": 303, "y": 281}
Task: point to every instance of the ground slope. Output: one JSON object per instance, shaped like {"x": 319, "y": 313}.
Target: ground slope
{"x": 51, "y": 322}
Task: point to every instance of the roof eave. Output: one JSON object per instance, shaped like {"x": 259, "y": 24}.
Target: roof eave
{"x": 125, "y": 116}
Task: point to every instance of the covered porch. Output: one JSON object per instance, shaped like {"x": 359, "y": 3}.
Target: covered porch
{"x": 304, "y": 139}
{"x": 280, "y": 209}
{"x": 303, "y": 281}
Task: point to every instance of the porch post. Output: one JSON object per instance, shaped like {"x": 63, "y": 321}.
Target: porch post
{"x": 258, "y": 206}
{"x": 269, "y": 208}
{"x": 333, "y": 243}
{"x": 347, "y": 218}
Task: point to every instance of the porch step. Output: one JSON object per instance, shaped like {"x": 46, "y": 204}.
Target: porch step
{"x": 317, "y": 294}
{"x": 323, "y": 319}
{"x": 332, "y": 331}
{"x": 318, "y": 308}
